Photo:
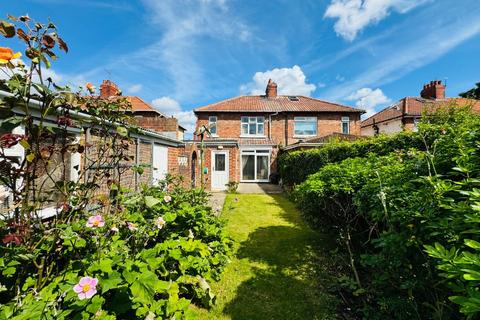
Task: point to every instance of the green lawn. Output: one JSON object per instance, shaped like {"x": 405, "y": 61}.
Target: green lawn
{"x": 279, "y": 267}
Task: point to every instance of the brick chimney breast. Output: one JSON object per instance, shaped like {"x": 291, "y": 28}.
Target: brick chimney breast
{"x": 108, "y": 89}
{"x": 271, "y": 90}
{"x": 433, "y": 90}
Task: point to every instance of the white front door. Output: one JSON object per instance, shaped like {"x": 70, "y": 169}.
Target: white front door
{"x": 159, "y": 163}
{"x": 219, "y": 170}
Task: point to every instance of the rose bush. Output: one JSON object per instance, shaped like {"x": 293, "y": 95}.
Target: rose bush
{"x": 106, "y": 252}
{"x": 106, "y": 268}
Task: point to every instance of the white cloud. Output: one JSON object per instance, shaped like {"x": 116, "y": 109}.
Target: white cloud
{"x": 184, "y": 26}
{"x": 290, "y": 81}
{"x": 409, "y": 48}
{"x": 171, "y": 107}
{"x": 167, "y": 105}
{"x": 354, "y": 15}
{"x": 187, "y": 119}
{"x": 368, "y": 99}
{"x": 135, "y": 88}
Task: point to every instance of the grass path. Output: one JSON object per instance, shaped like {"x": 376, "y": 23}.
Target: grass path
{"x": 278, "y": 271}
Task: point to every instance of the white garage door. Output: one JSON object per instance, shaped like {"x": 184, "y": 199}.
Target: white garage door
{"x": 159, "y": 163}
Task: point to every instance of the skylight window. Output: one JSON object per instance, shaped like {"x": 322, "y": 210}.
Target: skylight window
{"x": 293, "y": 98}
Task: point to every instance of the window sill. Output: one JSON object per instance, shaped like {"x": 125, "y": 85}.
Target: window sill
{"x": 305, "y": 136}
{"x": 253, "y": 136}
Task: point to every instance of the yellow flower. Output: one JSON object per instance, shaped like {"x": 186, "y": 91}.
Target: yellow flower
{"x": 6, "y": 54}
{"x": 90, "y": 88}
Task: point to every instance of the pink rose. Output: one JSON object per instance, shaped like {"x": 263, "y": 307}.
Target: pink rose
{"x": 86, "y": 287}
{"x": 131, "y": 226}
{"x": 160, "y": 222}
{"x": 95, "y": 222}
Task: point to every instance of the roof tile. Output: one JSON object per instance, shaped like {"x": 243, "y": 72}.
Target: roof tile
{"x": 275, "y": 104}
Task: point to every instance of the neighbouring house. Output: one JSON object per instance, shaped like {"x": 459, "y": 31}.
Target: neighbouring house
{"x": 406, "y": 113}
{"x": 147, "y": 117}
{"x": 248, "y": 131}
{"x": 157, "y": 147}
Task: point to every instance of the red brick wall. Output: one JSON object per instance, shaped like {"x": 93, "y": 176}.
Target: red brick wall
{"x": 158, "y": 124}
{"x": 145, "y": 159}
{"x": 229, "y": 124}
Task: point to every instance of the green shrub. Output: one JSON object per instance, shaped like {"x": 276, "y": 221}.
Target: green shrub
{"x": 386, "y": 211}
{"x": 150, "y": 260}
{"x": 232, "y": 187}
{"x": 296, "y": 166}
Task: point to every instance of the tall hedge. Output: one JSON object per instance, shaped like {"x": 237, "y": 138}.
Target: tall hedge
{"x": 296, "y": 166}
{"x": 407, "y": 224}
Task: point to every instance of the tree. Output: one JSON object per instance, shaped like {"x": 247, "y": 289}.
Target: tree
{"x": 472, "y": 93}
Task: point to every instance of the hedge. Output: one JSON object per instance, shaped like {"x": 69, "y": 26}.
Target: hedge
{"x": 296, "y": 166}
{"x": 406, "y": 224}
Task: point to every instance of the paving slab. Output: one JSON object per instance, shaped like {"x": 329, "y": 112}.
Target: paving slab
{"x": 259, "y": 188}
{"x": 216, "y": 201}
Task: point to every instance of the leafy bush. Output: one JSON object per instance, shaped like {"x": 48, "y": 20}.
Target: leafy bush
{"x": 296, "y": 166}
{"x": 387, "y": 211}
{"x": 232, "y": 187}
{"x": 151, "y": 259}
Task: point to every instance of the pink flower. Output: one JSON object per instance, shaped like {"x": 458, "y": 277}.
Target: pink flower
{"x": 114, "y": 229}
{"x": 131, "y": 226}
{"x": 86, "y": 287}
{"x": 95, "y": 222}
{"x": 160, "y": 222}
{"x": 167, "y": 198}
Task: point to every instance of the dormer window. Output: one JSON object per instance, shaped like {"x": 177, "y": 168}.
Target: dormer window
{"x": 212, "y": 122}
{"x": 253, "y": 126}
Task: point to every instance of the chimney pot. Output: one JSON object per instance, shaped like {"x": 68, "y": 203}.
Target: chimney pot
{"x": 271, "y": 90}
{"x": 433, "y": 90}
{"x": 108, "y": 89}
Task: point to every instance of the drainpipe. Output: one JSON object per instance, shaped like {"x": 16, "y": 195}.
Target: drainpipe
{"x": 286, "y": 129}
{"x": 270, "y": 124}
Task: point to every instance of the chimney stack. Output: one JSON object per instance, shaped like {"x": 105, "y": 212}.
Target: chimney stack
{"x": 108, "y": 89}
{"x": 433, "y": 90}
{"x": 271, "y": 91}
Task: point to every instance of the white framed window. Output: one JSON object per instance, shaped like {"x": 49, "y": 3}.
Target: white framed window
{"x": 253, "y": 126}
{"x": 416, "y": 121}
{"x": 305, "y": 126}
{"x": 212, "y": 122}
{"x": 346, "y": 125}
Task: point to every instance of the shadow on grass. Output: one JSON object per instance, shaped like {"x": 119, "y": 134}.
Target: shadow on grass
{"x": 294, "y": 283}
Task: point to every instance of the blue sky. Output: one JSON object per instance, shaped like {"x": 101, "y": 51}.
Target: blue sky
{"x": 181, "y": 54}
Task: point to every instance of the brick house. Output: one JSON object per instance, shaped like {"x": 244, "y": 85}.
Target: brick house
{"x": 248, "y": 131}
{"x": 147, "y": 117}
{"x": 407, "y": 112}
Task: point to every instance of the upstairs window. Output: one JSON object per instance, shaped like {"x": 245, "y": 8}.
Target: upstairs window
{"x": 345, "y": 125}
{"x": 305, "y": 126}
{"x": 253, "y": 126}
{"x": 212, "y": 122}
